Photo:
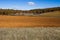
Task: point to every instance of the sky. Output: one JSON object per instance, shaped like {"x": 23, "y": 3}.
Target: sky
{"x": 28, "y": 4}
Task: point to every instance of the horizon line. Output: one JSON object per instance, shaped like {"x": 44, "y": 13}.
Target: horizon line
{"x": 28, "y": 9}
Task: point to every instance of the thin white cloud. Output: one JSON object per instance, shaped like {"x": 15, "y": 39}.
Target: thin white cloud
{"x": 31, "y": 3}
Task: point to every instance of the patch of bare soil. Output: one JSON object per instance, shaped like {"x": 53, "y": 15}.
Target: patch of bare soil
{"x": 29, "y": 21}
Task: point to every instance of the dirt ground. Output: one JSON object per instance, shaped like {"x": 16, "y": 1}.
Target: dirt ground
{"x": 29, "y": 21}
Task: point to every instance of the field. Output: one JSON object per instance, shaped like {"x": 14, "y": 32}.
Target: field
{"x": 44, "y": 27}
{"x": 48, "y": 33}
{"x": 29, "y": 21}
{"x": 51, "y": 14}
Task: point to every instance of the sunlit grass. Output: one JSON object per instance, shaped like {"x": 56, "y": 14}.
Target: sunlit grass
{"x": 51, "y": 14}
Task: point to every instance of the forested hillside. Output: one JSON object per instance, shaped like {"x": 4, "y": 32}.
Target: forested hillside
{"x": 22, "y": 12}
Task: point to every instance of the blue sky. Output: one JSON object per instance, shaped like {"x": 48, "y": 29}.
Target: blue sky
{"x": 28, "y": 4}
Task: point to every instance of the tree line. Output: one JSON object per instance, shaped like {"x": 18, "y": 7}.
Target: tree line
{"x": 34, "y": 11}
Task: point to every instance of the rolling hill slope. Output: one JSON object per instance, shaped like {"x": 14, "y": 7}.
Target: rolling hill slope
{"x": 51, "y": 14}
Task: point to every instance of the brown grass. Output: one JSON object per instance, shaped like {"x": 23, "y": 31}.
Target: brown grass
{"x": 51, "y": 14}
{"x": 28, "y": 21}
{"x": 36, "y": 33}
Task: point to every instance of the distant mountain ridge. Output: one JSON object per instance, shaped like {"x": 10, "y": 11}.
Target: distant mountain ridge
{"x": 28, "y": 12}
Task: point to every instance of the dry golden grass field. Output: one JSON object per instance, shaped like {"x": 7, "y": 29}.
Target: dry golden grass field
{"x": 29, "y": 21}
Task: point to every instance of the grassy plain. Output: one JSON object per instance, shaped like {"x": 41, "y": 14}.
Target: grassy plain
{"x": 41, "y": 33}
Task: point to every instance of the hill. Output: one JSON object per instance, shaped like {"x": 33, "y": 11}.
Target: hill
{"x": 51, "y": 14}
{"x": 27, "y": 12}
